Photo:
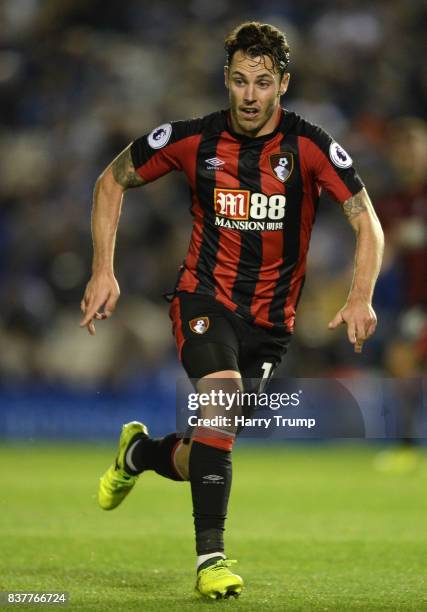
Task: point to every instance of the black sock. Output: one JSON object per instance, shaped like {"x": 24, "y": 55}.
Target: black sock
{"x": 210, "y": 477}
{"x": 155, "y": 454}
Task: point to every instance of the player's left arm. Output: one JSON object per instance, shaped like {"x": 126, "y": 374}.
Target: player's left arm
{"x": 357, "y": 313}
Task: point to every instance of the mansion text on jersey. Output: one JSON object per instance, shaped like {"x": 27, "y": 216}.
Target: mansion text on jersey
{"x": 260, "y": 226}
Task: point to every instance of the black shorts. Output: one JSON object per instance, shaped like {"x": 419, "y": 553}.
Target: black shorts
{"x": 212, "y": 338}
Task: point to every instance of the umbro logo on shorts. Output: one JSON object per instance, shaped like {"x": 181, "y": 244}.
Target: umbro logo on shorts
{"x": 200, "y": 325}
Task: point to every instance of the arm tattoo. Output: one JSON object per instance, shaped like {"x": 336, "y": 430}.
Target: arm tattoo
{"x": 124, "y": 171}
{"x": 354, "y": 206}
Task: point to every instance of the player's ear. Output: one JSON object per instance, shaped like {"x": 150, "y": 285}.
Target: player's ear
{"x": 226, "y": 73}
{"x": 284, "y": 83}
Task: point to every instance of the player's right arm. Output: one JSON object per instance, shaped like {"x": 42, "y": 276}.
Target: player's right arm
{"x": 102, "y": 290}
{"x": 151, "y": 156}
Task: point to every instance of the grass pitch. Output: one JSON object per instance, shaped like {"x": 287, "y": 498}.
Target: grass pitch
{"x": 313, "y": 528}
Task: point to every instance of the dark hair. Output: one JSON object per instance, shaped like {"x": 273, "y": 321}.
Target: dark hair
{"x": 256, "y": 39}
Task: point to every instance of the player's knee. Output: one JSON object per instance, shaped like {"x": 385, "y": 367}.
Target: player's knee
{"x": 218, "y": 418}
{"x": 181, "y": 460}
{"x": 181, "y": 457}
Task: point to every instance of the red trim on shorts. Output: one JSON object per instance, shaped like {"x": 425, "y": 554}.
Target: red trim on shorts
{"x": 211, "y": 437}
{"x": 175, "y": 315}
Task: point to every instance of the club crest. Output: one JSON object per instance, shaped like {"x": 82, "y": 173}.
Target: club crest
{"x": 200, "y": 325}
{"x": 282, "y": 164}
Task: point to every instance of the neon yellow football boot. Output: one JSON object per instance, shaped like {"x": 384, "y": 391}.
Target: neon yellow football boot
{"x": 403, "y": 460}
{"x": 218, "y": 582}
{"x": 116, "y": 483}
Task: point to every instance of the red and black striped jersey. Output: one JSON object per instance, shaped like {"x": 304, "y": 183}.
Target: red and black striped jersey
{"x": 253, "y": 205}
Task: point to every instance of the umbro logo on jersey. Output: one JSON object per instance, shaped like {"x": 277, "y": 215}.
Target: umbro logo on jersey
{"x": 282, "y": 165}
{"x": 214, "y": 163}
{"x": 199, "y": 325}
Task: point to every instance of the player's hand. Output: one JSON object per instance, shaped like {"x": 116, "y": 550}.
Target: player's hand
{"x": 99, "y": 300}
{"x": 361, "y": 321}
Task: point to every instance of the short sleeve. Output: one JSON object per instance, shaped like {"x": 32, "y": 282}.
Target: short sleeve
{"x": 330, "y": 165}
{"x": 164, "y": 149}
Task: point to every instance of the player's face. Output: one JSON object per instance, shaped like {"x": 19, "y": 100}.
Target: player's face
{"x": 254, "y": 90}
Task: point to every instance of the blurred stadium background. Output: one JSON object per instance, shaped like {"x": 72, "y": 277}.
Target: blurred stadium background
{"x": 80, "y": 80}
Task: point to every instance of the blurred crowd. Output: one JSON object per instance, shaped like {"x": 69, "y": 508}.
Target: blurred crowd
{"x": 79, "y": 80}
